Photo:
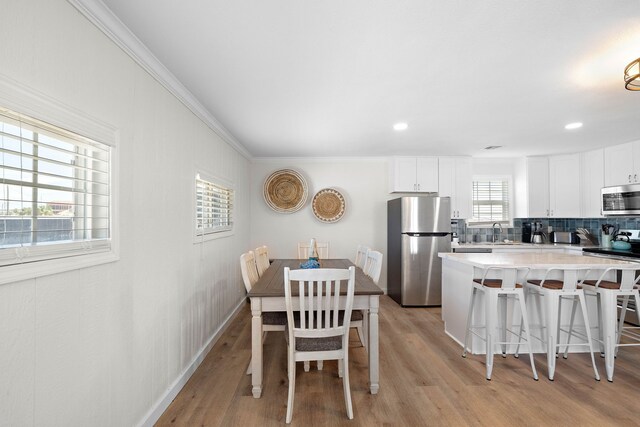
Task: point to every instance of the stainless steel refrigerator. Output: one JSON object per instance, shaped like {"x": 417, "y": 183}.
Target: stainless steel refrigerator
{"x": 417, "y": 229}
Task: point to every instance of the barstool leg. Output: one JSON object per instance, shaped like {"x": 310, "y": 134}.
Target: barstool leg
{"x": 583, "y": 307}
{"x": 490, "y": 322}
{"x": 525, "y": 324}
{"x": 574, "y": 307}
{"x": 502, "y": 322}
{"x": 623, "y": 314}
{"x": 609, "y": 318}
{"x": 469, "y": 315}
{"x": 600, "y": 324}
{"x": 552, "y": 320}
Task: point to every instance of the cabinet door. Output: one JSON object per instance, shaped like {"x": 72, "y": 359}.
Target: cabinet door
{"x": 427, "y": 174}
{"x": 538, "y": 186}
{"x": 403, "y": 177}
{"x": 591, "y": 182}
{"x": 564, "y": 186}
{"x": 618, "y": 164}
{"x": 463, "y": 186}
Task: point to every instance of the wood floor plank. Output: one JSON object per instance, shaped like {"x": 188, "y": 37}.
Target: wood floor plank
{"x": 423, "y": 381}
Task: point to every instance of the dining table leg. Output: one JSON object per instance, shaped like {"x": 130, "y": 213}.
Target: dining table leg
{"x": 256, "y": 346}
{"x": 374, "y": 367}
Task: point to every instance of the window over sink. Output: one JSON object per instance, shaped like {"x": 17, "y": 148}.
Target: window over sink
{"x": 491, "y": 201}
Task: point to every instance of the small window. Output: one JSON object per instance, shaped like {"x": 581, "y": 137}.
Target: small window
{"x": 491, "y": 197}
{"x": 55, "y": 192}
{"x": 214, "y": 207}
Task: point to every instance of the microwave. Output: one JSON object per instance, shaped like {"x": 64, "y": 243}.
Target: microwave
{"x": 621, "y": 200}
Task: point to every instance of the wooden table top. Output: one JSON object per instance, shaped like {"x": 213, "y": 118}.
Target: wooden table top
{"x": 271, "y": 284}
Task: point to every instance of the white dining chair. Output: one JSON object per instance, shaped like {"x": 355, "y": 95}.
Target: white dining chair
{"x": 320, "y": 331}
{"x": 271, "y": 320}
{"x": 373, "y": 265}
{"x": 262, "y": 259}
{"x": 361, "y": 256}
{"x": 323, "y": 250}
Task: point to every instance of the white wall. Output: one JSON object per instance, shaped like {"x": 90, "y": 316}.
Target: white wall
{"x": 102, "y": 345}
{"x": 363, "y": 183}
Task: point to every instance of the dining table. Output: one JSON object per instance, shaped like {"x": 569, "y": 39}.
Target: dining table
{"x": 267, "y": 295}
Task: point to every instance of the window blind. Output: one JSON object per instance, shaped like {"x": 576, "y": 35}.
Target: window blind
{"x": 490, "y": 201}
{"x": 55, "y": 191}
{"x": 214, "y": 207}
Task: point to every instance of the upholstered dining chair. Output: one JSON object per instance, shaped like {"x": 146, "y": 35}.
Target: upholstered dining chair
{"x": 262, "y": 259}
{"x": 320, "y": 331}
{"x": 271, "y": 321}
{"x": 323, "y": 250}
{"x": 361, "y": 256}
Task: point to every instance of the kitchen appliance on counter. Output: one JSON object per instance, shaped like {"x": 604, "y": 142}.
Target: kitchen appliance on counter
{"x": 417, "y": 229}
{"x": 564, "y": 237}
{"x": 632, "y": 254}
{"x": 526, "y": 232}
{"x": 538, "y": 234}
{"x": 621, "y": 200}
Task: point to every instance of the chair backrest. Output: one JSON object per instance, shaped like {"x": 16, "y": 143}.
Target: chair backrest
{"x": 323, "y": 250}
{"x": 262, "y": 259}
{"x": 571, "y": 276}
{"x": 249, "y": 270}
{"x": 373, "y": 265}
{"x": 509, "y": 276}
{"x": 628, "y": 277}
{"x": 361, "y": 256}
{"x": 318, "y": 300}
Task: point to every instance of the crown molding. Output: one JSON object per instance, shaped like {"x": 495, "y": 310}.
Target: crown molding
{"x": 103, "y": 18}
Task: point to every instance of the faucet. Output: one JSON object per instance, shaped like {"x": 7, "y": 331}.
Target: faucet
{"x": 494, "y": 231}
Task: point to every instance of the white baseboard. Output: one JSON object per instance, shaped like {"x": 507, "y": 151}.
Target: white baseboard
{"x": 163, "y": 403}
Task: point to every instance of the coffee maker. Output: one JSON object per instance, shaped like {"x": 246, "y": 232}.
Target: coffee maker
{"x": 538, "y": 234}
{"x": 526, "y": 232}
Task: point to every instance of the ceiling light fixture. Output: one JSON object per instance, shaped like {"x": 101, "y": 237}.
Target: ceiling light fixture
{"x": 492, "y": 147}
{"x": 572, "y": 126}
{"x": 632, "y": 75}
{"x": 400, "y": 126}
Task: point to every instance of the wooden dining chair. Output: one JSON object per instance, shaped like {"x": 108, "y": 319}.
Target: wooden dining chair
{"x": 319, "y": 332}
{"x": 271, "y": 320}
{"x": 361, "y": 256}
{"x": 373, "y": 265}
{"x": 262, "y": 259}
{"x": 323, "y": 250}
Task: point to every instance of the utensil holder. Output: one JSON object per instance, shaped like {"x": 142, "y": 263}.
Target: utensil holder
{"x": 605, "y": 241}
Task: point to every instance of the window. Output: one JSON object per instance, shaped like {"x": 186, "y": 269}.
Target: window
{"x": 214, "y": 207}
{"x": 491, "y": 201}
{"x": 55, "y": 192}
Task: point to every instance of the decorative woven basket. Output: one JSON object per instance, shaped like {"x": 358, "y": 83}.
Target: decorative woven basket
{"x": 285, "y": 191}
{"x": 328, "y": 205}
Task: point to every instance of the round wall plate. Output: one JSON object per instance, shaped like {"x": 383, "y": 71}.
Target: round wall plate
{"x": 285, "y": 191}
{"x": 328, "y": 205}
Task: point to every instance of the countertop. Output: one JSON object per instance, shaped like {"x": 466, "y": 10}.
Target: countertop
{"x": 534, "y": 260}
{"x": 520, "y": 245}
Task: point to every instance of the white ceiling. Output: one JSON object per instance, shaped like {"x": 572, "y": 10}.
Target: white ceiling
{"x": 331, "y": 77}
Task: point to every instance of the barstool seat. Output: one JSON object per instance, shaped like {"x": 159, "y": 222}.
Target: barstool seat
{"x": 497, "y": 290}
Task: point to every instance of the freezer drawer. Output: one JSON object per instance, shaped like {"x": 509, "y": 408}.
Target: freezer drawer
{"x": 421, "y": 275}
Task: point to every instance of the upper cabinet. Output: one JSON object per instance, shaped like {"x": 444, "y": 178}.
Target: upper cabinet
{"x": 455, "y": 182}
{"x": 591, "y": 182}
{"x": 537, "y": 186}
{"x": 564, "y": 186}
{"x": 414, "y": 174}
{"x": 622, "y": 164}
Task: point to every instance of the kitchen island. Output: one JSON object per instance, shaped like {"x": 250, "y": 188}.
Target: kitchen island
{"x": 459, "y": 269}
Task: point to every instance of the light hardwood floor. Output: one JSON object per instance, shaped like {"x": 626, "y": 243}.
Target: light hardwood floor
{"x": 423, "y": 381}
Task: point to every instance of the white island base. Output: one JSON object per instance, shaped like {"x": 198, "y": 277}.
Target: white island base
{"x": 459, "y": 269}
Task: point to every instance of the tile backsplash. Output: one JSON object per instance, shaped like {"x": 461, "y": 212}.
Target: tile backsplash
{"x": 594, "y": 225}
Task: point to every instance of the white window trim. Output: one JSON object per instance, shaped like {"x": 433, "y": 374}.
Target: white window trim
{"x": 199, "y": 237}
{"x": 507, "y": 178}
{"x": 25, "y": 100}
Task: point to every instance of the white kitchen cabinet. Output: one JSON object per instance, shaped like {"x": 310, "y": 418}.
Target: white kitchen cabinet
{"x": 622, "y": 164}
{"x": 455, "y": 181}
{"x": 591, "y": 182}
{"x": 414, "y": 174}
{"x": 564, "y": 186}
{"x": 538, "y": 186}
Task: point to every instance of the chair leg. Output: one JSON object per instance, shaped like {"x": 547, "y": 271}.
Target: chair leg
{"x": 583, "y": 307}
{"x": 517, "y": 352}
{"x": 502, "y": 322}
{"x": 552, "y": 320}
{"x": 490, "y": 321}
{"x": 361, "y": 336}
{"x": 573, "y": 316}
{"x": 609, "y": 319}
{"x": 307, "y": 366}
{"x": 320, "y": 365}
{"x": 340, "y": 368}
{"x": 292, "y": 388}
{"x": 346, "y": 386}
{"x": 248, "y": 368}
{"x": 525, "y": 324}
{"x": 469, "y": 315}
{"x": 623, "y": 314}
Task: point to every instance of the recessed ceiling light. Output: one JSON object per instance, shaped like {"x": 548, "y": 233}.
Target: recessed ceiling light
{"x": 575, "y": 125}
{"x": 493, "y": 147}
{"x": 400, "y": 126}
